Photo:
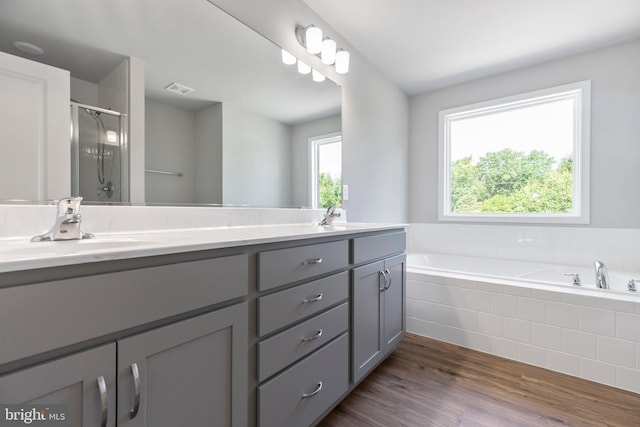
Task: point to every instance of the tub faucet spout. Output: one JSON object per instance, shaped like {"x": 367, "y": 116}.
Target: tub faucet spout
{"x": 602, "y": 276}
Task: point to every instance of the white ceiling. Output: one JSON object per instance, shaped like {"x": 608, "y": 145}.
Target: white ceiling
{"x": 422, "y": 45}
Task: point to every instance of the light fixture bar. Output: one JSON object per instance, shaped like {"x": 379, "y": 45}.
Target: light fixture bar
{"x": 326, "y": 49}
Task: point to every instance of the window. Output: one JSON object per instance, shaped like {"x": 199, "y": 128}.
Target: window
{"x": 326, "y": 170}
{"x": 523, "y": 158}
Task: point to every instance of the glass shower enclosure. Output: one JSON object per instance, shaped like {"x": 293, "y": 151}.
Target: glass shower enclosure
{"x": 99, "y": 154}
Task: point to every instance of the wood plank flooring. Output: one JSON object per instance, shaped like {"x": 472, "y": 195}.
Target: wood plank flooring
{"x": 432, "y": 383}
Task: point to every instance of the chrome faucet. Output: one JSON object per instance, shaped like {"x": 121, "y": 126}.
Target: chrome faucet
{"x": 67, "y": 225}
{"x": 329, "y": 216}
{"x": 602, "y": 276}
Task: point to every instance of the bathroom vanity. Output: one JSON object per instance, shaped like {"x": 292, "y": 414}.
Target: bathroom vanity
{"x": 265, "y": 325}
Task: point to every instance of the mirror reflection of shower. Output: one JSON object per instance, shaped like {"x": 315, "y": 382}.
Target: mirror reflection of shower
{"x": 98, "y": 155}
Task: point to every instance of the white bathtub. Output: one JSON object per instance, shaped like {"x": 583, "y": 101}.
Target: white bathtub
{"x": 520, "y": 273}
{"x": 530, "y": 312}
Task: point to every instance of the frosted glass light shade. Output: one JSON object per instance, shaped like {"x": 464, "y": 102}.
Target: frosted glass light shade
{"x": 342, "y": 62}
{"x": 317, "y": 76}
{"x": 287, "y": 58}
{"x": 328, "y": 53}
{"x": 313, "y": 39}
{"x": 303, "y": 68}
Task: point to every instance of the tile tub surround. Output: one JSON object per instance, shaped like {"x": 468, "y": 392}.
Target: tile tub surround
{"x": 584, "y": 336}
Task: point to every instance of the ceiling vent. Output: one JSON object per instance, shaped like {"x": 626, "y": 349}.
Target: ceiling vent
{"x": 179, "y": 89}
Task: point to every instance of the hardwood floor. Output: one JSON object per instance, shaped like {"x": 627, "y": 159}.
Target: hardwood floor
{"x": 432, "y": 383}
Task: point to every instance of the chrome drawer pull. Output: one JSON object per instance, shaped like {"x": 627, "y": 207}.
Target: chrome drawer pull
{"x": 312, "y": 299}
{"x": 315, "y": 337}
{"x": 104, "y": 401}
{"x": 136, "y": 388}
{"x": 314, "y": 392}
{"x": 389, "y": 275}
{"x": 312, "y": 261}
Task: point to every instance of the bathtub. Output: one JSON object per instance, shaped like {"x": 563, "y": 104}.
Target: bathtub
{"x": 530, "y": 312}
{"x": 521, "y": 273}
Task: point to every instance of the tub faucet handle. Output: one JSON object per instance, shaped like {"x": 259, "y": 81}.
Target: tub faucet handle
{"x": 632, "y": 286}
{"x": 576, "y": 278}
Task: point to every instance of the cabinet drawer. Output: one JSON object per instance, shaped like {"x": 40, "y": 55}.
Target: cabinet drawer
{"x": 50, "y": 315}
{"x": 298, "y": 396}
{"x": 278, "y": 310}
{"x": 282, "y": 266}
{"x": 378, "y": 246}
{"x": 288, "y": 346}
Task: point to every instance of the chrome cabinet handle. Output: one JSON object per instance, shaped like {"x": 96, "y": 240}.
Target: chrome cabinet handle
{"x": 389, "y": 275}
{"x": 384, "y": 275}
{"x": 312, "y": 299}
{"x": 314, "y": 392}
{"x": 314, "y": 337}
{"x": 104, "y": 401}
{"x": 136, "y": 388}
{"x": 312, "y": 261}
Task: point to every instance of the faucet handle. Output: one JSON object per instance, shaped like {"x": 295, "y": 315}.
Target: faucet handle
{"x": 69, "y": 206}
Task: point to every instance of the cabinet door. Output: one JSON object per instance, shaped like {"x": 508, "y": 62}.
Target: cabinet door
{"x": 190, "y": 373}
{"x": 394, "y": 302}
{"x": 367, "y": 337}
{"x": 71, "y": 382}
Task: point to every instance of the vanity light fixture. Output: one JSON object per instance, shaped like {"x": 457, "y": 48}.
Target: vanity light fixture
{"x": 311, "y": 39}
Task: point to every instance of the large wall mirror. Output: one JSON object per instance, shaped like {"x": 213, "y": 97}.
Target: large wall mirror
{"x": 240, "y": 137}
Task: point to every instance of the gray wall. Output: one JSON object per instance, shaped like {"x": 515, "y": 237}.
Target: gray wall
{"x": 300, "y": 155}
{"x": 256, "y": 159}
{"x": 375, "y": 113}
{"x": 170, "y": 146}
{"x": 615, "y": 128}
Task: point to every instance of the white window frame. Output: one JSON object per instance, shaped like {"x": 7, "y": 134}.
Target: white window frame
{"x": 314, "y": 143}
{"x": 580, "y": 92}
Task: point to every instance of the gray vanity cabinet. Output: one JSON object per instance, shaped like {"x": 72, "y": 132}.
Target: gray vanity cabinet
{"x": 190, "y": 373}
{"x": 83, "y": 383}
{"x": 378, "y": 306}
{"x": 265, "y": 335}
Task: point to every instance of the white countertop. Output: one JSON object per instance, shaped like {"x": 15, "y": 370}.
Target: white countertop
{"x": 20, "y": 254}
